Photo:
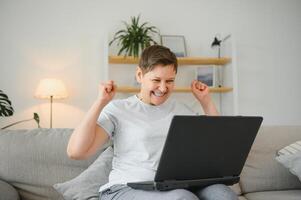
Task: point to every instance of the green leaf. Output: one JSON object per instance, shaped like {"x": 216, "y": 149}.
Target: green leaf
{"x": 6, "y": 108}
{"x": 37, "y": 119}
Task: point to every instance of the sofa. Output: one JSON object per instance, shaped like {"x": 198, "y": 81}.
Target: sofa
{"x": 32, "y": 161}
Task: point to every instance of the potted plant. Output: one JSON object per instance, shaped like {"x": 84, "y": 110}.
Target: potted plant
{"x": 135, "y": 37}
{"x": 7, "y": 110}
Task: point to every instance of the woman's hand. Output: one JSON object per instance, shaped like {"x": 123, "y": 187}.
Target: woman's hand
{"x": 107, "y": 92}
{"x": 200, "y": 91}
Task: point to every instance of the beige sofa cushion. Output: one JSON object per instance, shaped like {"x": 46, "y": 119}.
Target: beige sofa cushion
{"x": 242, "y": 198}
{"x": 33, "y": 160}
{"x": 275, "y": 195}
{"x": 261, "y": 171}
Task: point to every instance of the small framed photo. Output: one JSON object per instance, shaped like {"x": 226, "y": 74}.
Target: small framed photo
{"x": 206, "y": 75}
{"x": 176, "y": 43}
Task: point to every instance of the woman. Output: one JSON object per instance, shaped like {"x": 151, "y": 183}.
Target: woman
{"x": 138, "y": 126}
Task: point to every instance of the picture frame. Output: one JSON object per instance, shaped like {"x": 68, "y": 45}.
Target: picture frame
{"x": 176, "y": 43}
{"x": 206, "y": 75}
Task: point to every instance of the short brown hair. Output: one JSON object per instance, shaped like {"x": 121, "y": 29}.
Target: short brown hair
{"x": 157, "y": 55}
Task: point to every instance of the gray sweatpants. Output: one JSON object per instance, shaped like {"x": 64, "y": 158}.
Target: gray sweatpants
{"x": 213, "y": 192}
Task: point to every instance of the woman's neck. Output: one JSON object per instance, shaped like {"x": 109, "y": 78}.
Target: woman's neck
{"x": 144, "y": 100}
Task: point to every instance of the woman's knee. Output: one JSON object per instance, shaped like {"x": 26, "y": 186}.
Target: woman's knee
{"x": 181, "y": 194}
{"x": 217, "y": 192}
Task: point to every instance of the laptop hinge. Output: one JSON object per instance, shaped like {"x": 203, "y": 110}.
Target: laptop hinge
{"x": 171, "y": 180}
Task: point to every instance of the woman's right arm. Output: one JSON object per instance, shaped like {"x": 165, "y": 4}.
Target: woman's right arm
{"x": 88, "y": 137}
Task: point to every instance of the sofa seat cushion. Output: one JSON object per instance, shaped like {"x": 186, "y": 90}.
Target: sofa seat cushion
{"x": 275, "y": 195}
{"x": 242, "y": 198}
{"x": 8, "y": 192}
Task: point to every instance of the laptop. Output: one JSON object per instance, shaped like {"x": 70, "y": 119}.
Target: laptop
{"x": 203, "y": 150}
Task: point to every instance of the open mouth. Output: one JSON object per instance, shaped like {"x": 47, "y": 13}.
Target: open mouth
{"x": 158, "y": 93}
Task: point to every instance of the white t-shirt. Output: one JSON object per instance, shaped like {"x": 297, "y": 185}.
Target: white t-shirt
{"x": 138, "y": 131}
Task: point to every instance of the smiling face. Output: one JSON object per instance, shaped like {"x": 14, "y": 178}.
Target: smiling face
{"x": 157, "y": 84}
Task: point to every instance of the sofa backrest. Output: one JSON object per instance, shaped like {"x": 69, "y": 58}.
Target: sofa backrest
{"x": 34, "y": 160}
{"x": 261, "y": 171}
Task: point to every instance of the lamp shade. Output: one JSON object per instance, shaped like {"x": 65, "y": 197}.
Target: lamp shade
{"x": 216, "y": 42}
{"x": 51, "y": 87}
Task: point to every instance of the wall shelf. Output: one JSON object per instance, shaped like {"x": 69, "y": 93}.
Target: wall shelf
{"x": 129, "y": 89}
{"x": 181, "y": 60}
{"x": 122, "y": 69}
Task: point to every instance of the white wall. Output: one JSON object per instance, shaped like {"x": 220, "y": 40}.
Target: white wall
{"x": 64, "y": 39}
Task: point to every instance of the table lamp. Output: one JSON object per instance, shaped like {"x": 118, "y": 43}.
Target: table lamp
{"x": 217, "y": 43}
{"x": 51, "y": 89}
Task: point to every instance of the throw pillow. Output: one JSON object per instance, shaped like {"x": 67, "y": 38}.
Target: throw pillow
{"x": 87, "y": 184}
{"x": 290, "y": 157}
{"x": 290, "y": 149}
